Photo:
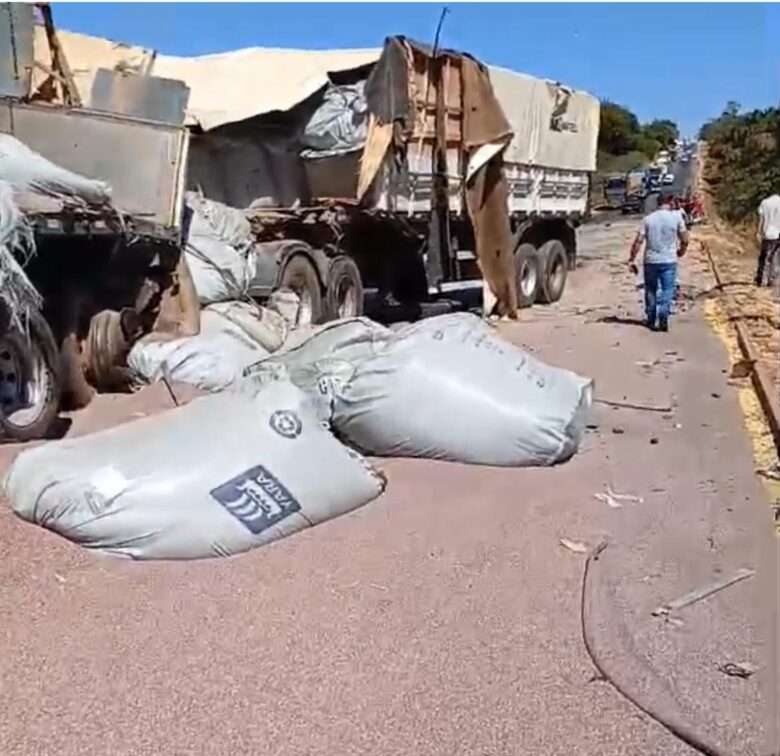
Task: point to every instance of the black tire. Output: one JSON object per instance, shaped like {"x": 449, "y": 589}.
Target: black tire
{"x": 555, "y": 267}
{"x": 527, "y": 274}
{"x": 29, "y": 381}
{"x": 300, "y": 275}
{"x": 344, "y": 294}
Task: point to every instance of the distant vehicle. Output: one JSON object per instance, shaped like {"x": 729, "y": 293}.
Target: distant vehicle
{"x": 634, "y": 203}
{"x": 615, "y": 191}
{"x": 684, "y": 159}
{"x": 653, "y": 178}
{"x": 668, "y": 178}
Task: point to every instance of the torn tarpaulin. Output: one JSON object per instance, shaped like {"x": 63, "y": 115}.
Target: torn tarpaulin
{"x": 340, "y": 123}
{"x": 408, "y": 77}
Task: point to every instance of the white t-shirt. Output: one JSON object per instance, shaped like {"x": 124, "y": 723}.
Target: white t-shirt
{"x": 769, "y": 218}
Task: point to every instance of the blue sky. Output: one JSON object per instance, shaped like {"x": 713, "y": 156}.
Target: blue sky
{"x": 681, "y": 61}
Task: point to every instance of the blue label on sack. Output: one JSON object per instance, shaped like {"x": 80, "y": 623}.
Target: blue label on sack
{"x": 257, "y": 499}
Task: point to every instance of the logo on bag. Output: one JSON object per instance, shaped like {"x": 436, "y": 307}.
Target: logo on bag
{"x": 286, "y": 423}
{"x": 256, "y": 499}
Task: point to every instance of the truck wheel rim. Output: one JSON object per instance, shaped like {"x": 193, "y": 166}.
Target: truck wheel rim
{"x": 346, "y": 299}
{"x": 528, "y": 280}
{"x": 305, "y": 308}
{"x": 556, "y": 275}
{"x": 22, "y": 398}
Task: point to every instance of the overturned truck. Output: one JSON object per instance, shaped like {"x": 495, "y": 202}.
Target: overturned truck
{"x": 412, "y": 174}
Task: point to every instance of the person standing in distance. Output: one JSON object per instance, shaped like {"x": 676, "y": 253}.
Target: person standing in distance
{"x": 665, "y": 237}
{"x": 769, "y": 238}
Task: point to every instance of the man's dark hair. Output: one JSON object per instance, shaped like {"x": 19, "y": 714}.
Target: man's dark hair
{"x": 665, "y": 199}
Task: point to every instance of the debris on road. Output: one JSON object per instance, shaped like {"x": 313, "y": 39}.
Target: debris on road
{"x": 632, "y": 405}
{"x": 772, "y": 473}
{"x": 740, "y": 669}
{"x": 576, "y": 546}
{"x": 703, "y": 592}
{"x": 742, "y": 369}
{"x": 614, "y": 500}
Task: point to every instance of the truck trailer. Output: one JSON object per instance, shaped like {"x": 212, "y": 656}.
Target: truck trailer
{"x": 403, "y": 172}
{"x": 385, "y": 162}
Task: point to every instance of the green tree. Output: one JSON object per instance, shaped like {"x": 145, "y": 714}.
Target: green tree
{"x": 618, "y": 128}
{"x": 744, "y": 159}
{"x": 647, "y": 145}
{"x": 665, "y": 132}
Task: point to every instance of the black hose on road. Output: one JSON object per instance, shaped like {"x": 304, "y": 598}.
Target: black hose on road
{"x": 669, "y": 721}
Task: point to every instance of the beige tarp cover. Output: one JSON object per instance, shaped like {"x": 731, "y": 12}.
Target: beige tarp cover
{"x": 234, "y": 86}
{"x": 530, "y": 105}
{"x": 225, "y": 87}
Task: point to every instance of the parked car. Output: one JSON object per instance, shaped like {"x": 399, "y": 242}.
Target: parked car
{"x": 668, "y": 178}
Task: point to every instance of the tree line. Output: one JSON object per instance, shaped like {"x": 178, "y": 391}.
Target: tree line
{"x": 743, "y": 163}
{"x": 620, "y": 132}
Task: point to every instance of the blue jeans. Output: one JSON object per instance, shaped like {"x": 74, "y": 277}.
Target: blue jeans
{"x": 660, "y": 284}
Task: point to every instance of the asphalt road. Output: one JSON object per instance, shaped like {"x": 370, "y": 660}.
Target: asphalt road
{"x": 684, "y": 176}
{"x": 444, "y": 618}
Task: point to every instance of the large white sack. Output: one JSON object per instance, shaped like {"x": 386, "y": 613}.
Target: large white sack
{"x": 219, "y": 250}
{"x": 214, "y": 360}
{"x": 216, "y": 477}
{"x": 320, "y": 359}
{"x": 451, "y": 388}
{"x": 264, "y": 326}
{"x": 26, "y": 170}
{"x": 233, "y": 336}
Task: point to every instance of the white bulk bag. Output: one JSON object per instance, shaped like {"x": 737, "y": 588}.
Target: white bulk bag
{"x": 266, "y": 328}
{"x": 320, "y": 359}
{"x": 220, "y": 250}
{"x": 27, "y": 170}
{"x": 450, "y": 388}
{"x": 212, "y": 360}
{"x": 216, "y": 477}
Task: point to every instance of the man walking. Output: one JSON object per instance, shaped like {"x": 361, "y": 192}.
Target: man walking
{"x": 769, "y": 238}
{"x": 665, "y": 237}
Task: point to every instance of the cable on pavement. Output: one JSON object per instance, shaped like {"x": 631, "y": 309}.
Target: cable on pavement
{"x": 670, "y": 722}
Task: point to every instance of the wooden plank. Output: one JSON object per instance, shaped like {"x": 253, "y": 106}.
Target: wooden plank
{"x": 697, "y": 594}
{"x": 59, "y": 62}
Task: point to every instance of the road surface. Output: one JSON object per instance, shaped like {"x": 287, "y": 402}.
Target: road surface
{"x": 444, "y": 618}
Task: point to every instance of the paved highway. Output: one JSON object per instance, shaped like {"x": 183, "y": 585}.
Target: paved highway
{"x": 684, "y": 175}
{"x": 443, "y": 618}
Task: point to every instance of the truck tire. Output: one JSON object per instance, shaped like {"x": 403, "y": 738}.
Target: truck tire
{"x": 344, "y": 293}
{"x": 300, "y": 275}
{"x": 29, "y": 381}
{"x": 527, "y": 274}
{"x": 107, "y": 350}
{"x": 555, "y": 267}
